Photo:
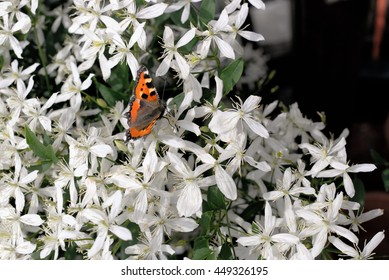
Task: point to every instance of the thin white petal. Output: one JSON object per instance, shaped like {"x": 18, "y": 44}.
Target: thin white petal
{"x": 189, "y": 201}
{"x": 251, "y": 36}
{"x": 121, "y": 232}
{"x": 188, "y": 36}
{"x": 164, "y": 66}
{"x": 25, "y": 248}
{"x": 348, "y": 185}
{"x": 183, "y": 65}
{"x": 30, "y": 177}
{"x": 249, "y": 240}
{"x": 366, "y": 167}
{"x": 256, "y": 127}
{"x": 373, "y": 243}
{"x": 258, "y": 4}
{"x": 224, "y": 48}
{"x": 183, "y": 224}
{"x": 225, "y": 183}
{"x": 344, "y": 248}
{"x": 101, "y": 150}
{"x": 31, "y": 219}
{"x": 152, "y": 11}
{"x": 222, "y": 122}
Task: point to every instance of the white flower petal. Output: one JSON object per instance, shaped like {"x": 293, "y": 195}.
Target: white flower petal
{"x": 373, "y": 243}
{"x": 225, "y": 48}
{"x": 256, "y": 127}
{"x": 25, "y": 248}
{"x": 152, "y": 11}
{"x": 258, "y": 4}
{"x": 225, "y": 183}
{"x": 101, "y": 150}
{"x": 31, "y": 219}
{"x": 189, "y": 200}
{"x": 29, "y": 178}
{"x": 182, "y": 65}
{"x": 183, "y": 224}
{"x": 186, "y": 38}
{"x": 164, "y": 66}
{"x": 249, "y": 240}
{"x": 362, "y": 168}
{"x": 344, "y": 248}
{"x": 223, "y": 122}
{"x": 121, "y": 232}
{"x": 251, "y": 36}
{"x": 348, "y": 185}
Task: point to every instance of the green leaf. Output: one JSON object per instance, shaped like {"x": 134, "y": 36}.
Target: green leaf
{"x": 176, "y": 101}
{"x": 225, "y": 253}
{"x": 231, "y": 75}
{"x": 45, "y": 152}
{"x": 206, "y": 222}
{"x": 385, "y": 178}
{"x": 110, "y": 95}
{"x": 202, "y": 254}
{"x": 207, "y": 10}
{"x": 201, "y": 242}
{"x": 215, "y": 199}
{"x": 201, "y": 250}
{"x": 120, "y": 78}
{"x": 359, "y": 192}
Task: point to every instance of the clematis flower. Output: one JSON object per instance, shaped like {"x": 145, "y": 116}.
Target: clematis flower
{"x": 233, "y": 122}
{"x": 171, "y": 51}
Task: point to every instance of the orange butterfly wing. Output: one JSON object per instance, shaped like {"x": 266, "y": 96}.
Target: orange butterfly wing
{"x": 145, "y": 106}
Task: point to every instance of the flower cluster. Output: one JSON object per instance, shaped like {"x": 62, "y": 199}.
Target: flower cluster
{"x": 214, "y": 179}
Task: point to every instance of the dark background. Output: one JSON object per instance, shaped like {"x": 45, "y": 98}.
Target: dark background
{"x": 328, "y": 67}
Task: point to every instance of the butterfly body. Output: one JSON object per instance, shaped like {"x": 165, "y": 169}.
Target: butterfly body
{"x": 145, "y": 106}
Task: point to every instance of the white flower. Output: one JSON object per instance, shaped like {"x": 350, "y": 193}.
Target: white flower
{"x": 8, "y": 29}
{"x": 17, "y": 99}
{"x": 94, "y": 46}
{"x": 105, "y": 222}
{"x": 17, "y": 74}
{"x": 16, "y": 251}
{"x": 321, "y": 223}
{"x": 123, "y": 50}
{"x": 263, "y": 237}
{"x": 356, "y": 221}
{"x": 133, "y": 14}
{"x": 188, "y": 182}
{"x": 230, "y": 123}
{"x": 17, "y": 223}
{"x": 240, "y": 19}
{"x": 15, "y": 185}
{"x": 61, "y": 14}
{"x": 287, "y": 188}
{"x": 214, "y": 35}
{"x": 186, "y": 4}
{"x": 167, "y": 222}
{"x": 171, "y": 51}
{"x": 86, "y": 146}
{"x": 150, "y": 248}
{"x": 342, "y": 169}
{"x": 73, "y": 85}
{"x": 323, "y": 154}
{"x": 356, "y": 253}
{"x": 37, "y": 114}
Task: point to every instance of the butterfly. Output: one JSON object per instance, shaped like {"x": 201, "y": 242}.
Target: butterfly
{"x": 145, "y": 106}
